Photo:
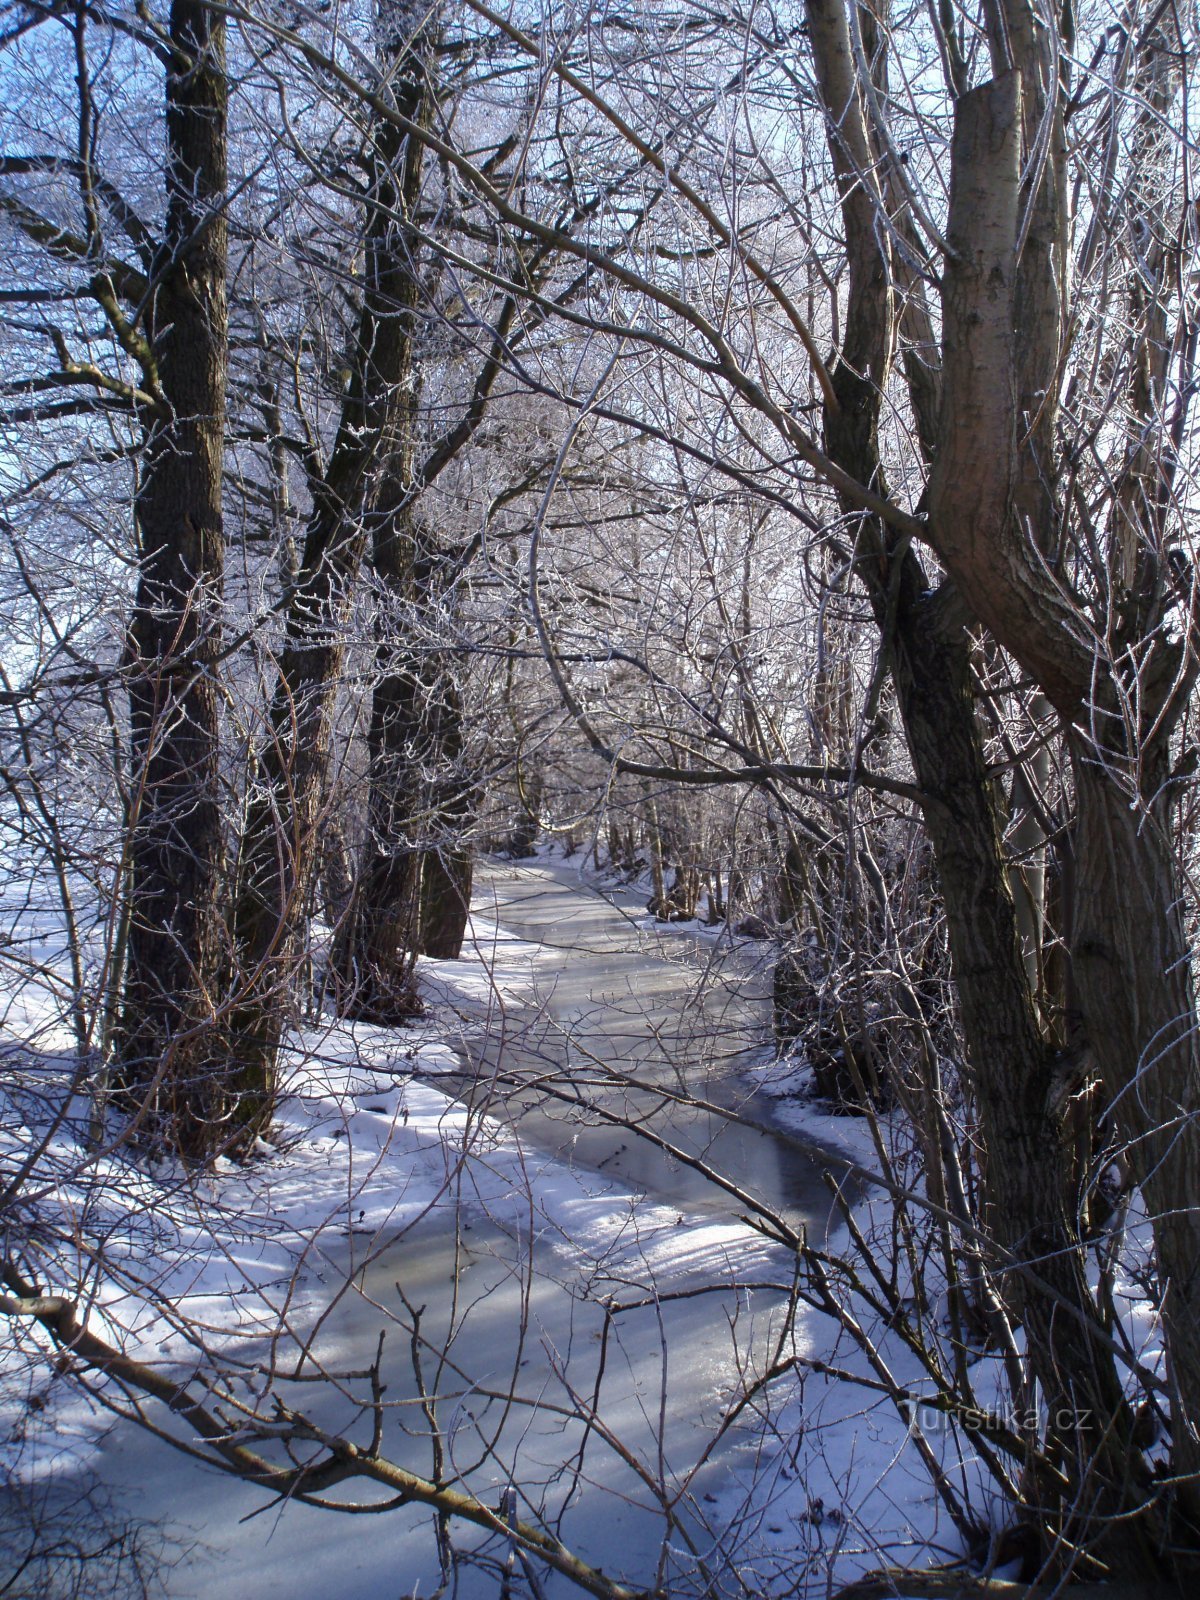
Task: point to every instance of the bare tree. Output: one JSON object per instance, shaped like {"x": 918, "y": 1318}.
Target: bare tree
{"x": 157, "y": 357}
{"x": 996, "y": 443}
{"x": 366, "y": 475}
{"x": 910, "y": 301}
{"x": 176, "y": 849}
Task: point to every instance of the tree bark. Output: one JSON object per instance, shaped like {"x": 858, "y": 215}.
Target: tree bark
{"x": 448, "y": 872}
{"x": 413, "y": 890}
{"x": 176, "y": 944}
{"x": 279, "y": 847}
{"x": 1038, "y": 1259}
{"x": 1018, "y": 1084}
{"x": 1130, "y": 958}
{"x": 972, "y": 493}
{"x": 1132, "y": 968}
{"x": 448, "y": 867}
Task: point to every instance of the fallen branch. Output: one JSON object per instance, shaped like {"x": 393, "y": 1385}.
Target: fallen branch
{"x": 342, "y": 1461}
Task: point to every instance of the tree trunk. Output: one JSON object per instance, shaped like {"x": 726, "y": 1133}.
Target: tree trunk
{"x": 176, "y": 944}
{"x": 1018, "y": 1084}
{"x": 413, "y": 892}
{"x": 1028, "y": 845}
{"x": 448, "y": 866}
{"x": 1132, "y": 969}
{"x": 1038, "y": 1260}
{"x": 987, "y": 497}
{"x": 279, "y": 848}
{"x": 336, "y": 866}
{"x": 446, "y": 878}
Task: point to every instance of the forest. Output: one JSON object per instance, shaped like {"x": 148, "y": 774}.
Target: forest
{"x": 599, "y": 750}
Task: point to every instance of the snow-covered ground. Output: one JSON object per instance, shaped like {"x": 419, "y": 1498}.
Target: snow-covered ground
{"x": 372, "y": 1171}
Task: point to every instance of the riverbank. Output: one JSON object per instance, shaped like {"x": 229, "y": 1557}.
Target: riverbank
{"x": 520, "y": 1256}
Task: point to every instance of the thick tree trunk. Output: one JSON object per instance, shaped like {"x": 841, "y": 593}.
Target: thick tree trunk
{"x": 989, "y": 518}
{"x": 279, "y": 848}
{"x": 1104, "y": 1500}
{"x": 176, "y": 944}
{"x": 377, "y": 944}
{"x": 447, "y": 874}
{"x": 280, "y": 844}
{"x": 1019, "y": 1086}
{"x": 1016, "y": 1082}
{"x": 1037, "y": 1260}
{"x": 413, "y": 891}
{"x": 1132, "y": 970}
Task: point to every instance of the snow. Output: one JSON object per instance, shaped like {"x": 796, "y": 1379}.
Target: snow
{"x": 365, "y": 1148}
{"x": 494, "y": 971}
{"x": 789, "y": 1083}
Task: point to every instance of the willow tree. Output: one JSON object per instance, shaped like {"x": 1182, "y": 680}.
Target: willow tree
{"x": 990, "y": 505}
{"x": 1082, "y": 584}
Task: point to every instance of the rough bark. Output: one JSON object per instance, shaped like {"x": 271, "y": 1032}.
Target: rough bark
{"x": 378, "y": 939}
{"x": 1028, "y": 845}
{"x": 280, "y": 843}
{"x": 413, "y": 891}
{"x": 1129, "y": 953}
{"x": 176, "y": 946}
{"x": 448, "y": 866}
{"x": 972, "y": 492}
{"x": 1038, "y": 1259}
{"x": 1132, "y": 969}
{"x": 448, "y": 871}
{"x": 1018, "y": 1084}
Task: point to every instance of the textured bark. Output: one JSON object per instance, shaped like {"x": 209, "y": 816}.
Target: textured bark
{"x": 1041, "y": 274}
{"x": 380, "y": 937}
{"x": 280, "y": 844}
{"x": 991, "y": 475}
{"x": 1019, "y": 1087}
{"x": 336, "y": 867}
{"x": 448, "y": 865}
{"x": 1038, "y": 1259}
{"x": 413, "y": 891}
{"x": 1016, "y": 1084}
{"x": 446, "y": 878}
{"x": 972, "y": 496}
{"x": 1132, "y": 969}
{"x": 1028, "y": 844}
{"x": 176, "y": 945}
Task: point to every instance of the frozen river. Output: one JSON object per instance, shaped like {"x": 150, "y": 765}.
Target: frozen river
{"x": 597, "y": 1386}
{"x": 625, "y": 1014}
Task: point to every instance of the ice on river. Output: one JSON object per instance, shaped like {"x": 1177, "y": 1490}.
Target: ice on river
{"x": 564, "y": 1306}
